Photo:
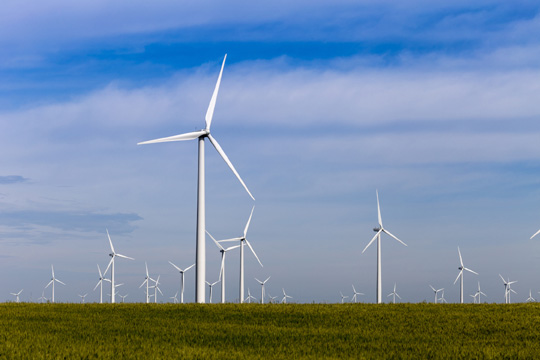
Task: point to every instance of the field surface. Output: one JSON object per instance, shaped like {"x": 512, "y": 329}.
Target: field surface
{"x": 253, "y": 331}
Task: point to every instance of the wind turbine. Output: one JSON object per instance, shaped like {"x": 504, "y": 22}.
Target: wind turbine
{"x": 474, "y": 297}
{"x": 175, "y": 298}
{"x": 146, "y": 281}
{"x": 42, "y": 297}
{"x": 53, "y": 280}
{"x": 243, "y": 240}
{"x": 123, "y": 297}
{"x": 82, "y": 297}
{"x": 355, "y": 294}
{"x": 377, "y": 236}
{"x": 530, "y": 298}
{"x": 249, "y": 297}
{"x": 436, "y": 292}
{"x": 479, "y": 293}
{"x": 272, "y": 298}
{"x": 211, "y": 285}
{"x": 262, "y": 288}
{"x": 222, "y": 271}
{"x": 100, "y": 284}
{"x": 507, "y": 289}
{"x": 156, "y": 289}
{"x": 394, "y": 293}
{"x": 343, "y": 297}
{"x": 442, "y": 299}
{"x": 201, "y": 135}
{"x": 17, "y": 295}
{"x": 113, "y": 254}
{"x": 285, "y": 296}
{"x": 461, "y": 268}
{"x": 182, "y": 284}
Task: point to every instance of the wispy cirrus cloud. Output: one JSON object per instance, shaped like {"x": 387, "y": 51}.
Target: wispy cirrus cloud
{"x": 12, "y": 179}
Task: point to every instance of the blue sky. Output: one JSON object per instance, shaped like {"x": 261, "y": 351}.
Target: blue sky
{"x": 321, "y": 103}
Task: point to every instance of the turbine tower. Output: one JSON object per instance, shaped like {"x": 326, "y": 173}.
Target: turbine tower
{"x": 113, "y": 254}
{"x": 377, "y": 236}
{"x": 222, "y": 272}
{"x": 461, "y": 268}
{"x": 243, "y": 240}
{"x": 201, "y": 135}
{"x": 53, "y": 280}
{"x": 182, "y": 277}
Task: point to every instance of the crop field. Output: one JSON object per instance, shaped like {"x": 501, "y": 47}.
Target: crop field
{"x": 284, "y": 331}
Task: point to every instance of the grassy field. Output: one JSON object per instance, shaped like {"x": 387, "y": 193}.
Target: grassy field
{"x": 291, "y": 331}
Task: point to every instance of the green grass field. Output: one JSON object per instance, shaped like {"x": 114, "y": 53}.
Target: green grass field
{"x": 291, "y": 331}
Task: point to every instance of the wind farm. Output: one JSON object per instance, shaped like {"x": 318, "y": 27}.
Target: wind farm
{"x": 106, "y": 114}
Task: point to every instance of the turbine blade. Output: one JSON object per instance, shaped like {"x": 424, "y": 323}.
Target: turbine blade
{"x": 59, "y": 281}
{"x": 461, "y": 272}
{"x": 398, "y": 296}
{"x": 50, "y": 282}
{"x": 231, "y": 240}
{"x": 232, "y": 247}
{"x": 110, "y": 242}
{"x": 504, "y": 281}
{"x": 125, "y": 257}
{"x": 212, "y": 105}
{"x": 379, "y": 208}
{"x": 189, "y": 267}
{"x": 215, "y": 241}
{"x": 460, "y": 259}
{"x": 52, "y": 270}
{"x": 144, "y": 282}
{"x": 108, "y": 266}
{"x": 389, "y": 233}
{"x": 99, "y": 282}
{"x": 249, "y": 221}
{"x": 372, "y": 240}
{"x": 99, "y": 270}
{"x": 267, "y": 279}
{"x": 253, "y": 251}
{"x": 180, "y": 137}
{"x": 176, "y": 267}
{"x": 536, "y": 233}
{"x": 224, "y": 156}
{"x": 432, "y": 288}
{"x": 474, "y": 272}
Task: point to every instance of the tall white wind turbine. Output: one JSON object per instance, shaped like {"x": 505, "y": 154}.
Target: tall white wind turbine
{"x": 436, "y": 292}
{"x": 182, "y": 277}
{"x": 460, "y": 275}
{"x": 223, "y": 252}
{"x": 243, "y": 240}
{"x": 53, "y": 280}
{"x": 262, "y": 288}
{"x": 17, "y": 295}
{"x": 100, "y": 284}
{"x": 377, "y": 236}
{"x": 113, "y": 255}
{"x": 201, "y": 135}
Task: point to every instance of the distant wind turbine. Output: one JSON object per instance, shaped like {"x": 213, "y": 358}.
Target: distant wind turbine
{"x": 343, "y": 297}
{"x": 156, "y": 289}
{"x": 394, "y": 294}
{"x": 201, "y": 135}
{"x": 507, "y": 289}
{"x": 285, "y": 296}
{"x": 377, "y": 236}
{"x": 460, "y": 275}
{"x": 113, "y": 255}
{"x": 82, "y": 297}
{"x": 182, "y": 277}
{"x": 442, "y": 299}
{"x": 530, "y": 298}
{"x": 243, "y": 240}
{"x": 146, "y": 281}
{"x": 53, "y": 280}
{"x": 249, "y": 297}
{"x": 17, "y": 295}
{"x": 479, "y": 293}
{"x": 356, "y": 293}
{"x": 123, "y": 297}
{"x": 262, "y": 288}
{"x": 100, "y": 284}
{"x": 211, "y": 286}
{"x": 42, "y": 298}
{"x": 174, "y": 298}
{"x": 222, "y": 271}
{"x": 436, "y": 292}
